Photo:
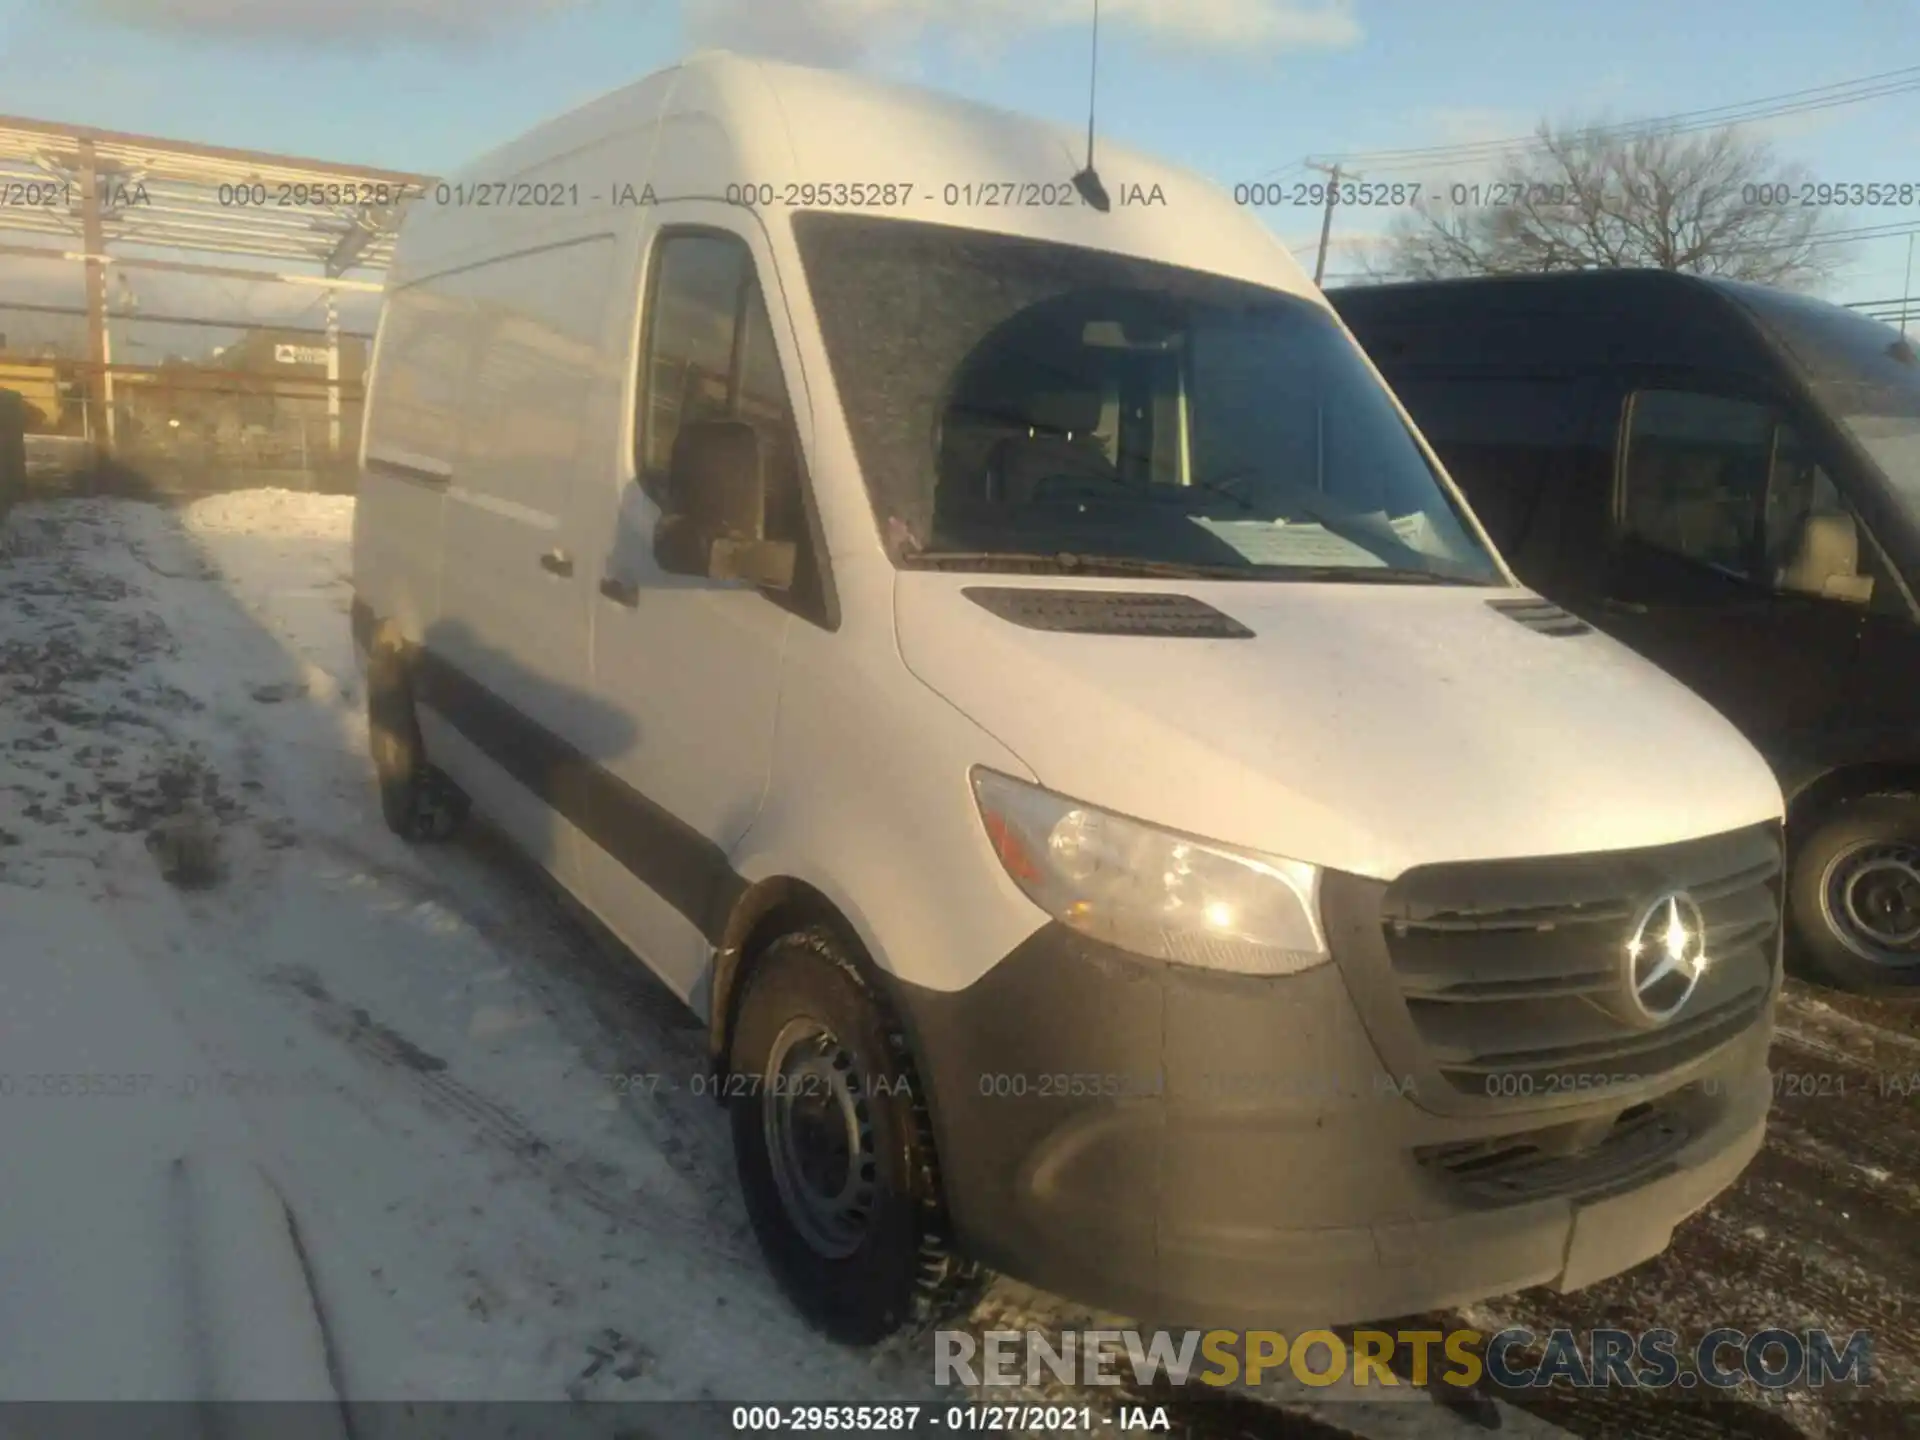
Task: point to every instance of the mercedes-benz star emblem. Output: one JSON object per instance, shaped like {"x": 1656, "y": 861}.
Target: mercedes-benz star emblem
{"x": 1666, "y": 956}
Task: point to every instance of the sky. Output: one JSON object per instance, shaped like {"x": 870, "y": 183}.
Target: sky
{"x": 1241, "y": 90}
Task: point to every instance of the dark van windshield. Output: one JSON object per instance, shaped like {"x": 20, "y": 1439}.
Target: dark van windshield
{"x": 1862, "y": 372}
{"x": 1013, "y": 401}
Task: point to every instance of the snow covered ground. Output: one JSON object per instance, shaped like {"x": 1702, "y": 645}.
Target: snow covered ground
{"x": 417, "y": 1047}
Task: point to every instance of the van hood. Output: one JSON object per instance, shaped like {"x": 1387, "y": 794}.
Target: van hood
{"x": 1365, "y": 728}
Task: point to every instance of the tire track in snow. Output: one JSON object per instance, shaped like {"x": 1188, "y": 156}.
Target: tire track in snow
{"x": 585, "y": 1181}
{"x": 618, "y": 1017}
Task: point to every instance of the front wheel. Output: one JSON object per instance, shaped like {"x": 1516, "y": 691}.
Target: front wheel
{"x": 1855, "y": 896}
{"x": 833, "y": 1151}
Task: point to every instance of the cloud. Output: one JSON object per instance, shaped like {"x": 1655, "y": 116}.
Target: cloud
{"x": 847, "y": 32}
{"x": 436, "y": 22}
{"x": 819, "y": 32}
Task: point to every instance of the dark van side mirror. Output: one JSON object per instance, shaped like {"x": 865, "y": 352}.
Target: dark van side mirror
{"x": 713, "y": 518}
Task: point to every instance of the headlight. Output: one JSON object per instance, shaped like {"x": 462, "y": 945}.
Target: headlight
{"x": 1150, "y": 891}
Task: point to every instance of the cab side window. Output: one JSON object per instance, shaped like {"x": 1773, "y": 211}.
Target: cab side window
{"x": 710, "y": 355}
{"x": 1695, "y": 483}
{"x": 1728, "y": 484}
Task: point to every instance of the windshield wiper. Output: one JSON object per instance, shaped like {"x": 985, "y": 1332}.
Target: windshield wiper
{"x": 1068, "y": 562}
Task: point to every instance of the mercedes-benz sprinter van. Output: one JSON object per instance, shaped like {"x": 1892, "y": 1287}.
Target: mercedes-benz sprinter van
{"x": 994, "y": 646}
{"x": 1726, "y": 477}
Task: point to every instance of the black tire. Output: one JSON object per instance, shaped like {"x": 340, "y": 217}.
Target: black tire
{"x": 418, "y": 803}
{"x": 1854, "y": 896}
{"x": 881, "y": 1263}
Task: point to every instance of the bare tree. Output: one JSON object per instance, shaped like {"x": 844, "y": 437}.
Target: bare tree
{"x": 1715, "y": 202}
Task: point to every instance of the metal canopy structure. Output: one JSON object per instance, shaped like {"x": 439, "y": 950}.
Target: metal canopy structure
{"x": 174, "y": 195}
{"x": 115, "y": 198}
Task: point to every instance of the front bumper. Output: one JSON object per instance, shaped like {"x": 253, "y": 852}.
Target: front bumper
{"x": 1189, "y": 1148}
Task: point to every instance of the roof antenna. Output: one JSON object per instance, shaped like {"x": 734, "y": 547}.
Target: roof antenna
{"x": 1087, "y": 182}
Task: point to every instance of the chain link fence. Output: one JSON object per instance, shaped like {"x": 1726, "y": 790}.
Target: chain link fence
{"x": 187, "y": 382}
{"x": 169, "y": 436}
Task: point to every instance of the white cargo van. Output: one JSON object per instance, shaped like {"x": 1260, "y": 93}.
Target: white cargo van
{"x": 1009, "y": 663}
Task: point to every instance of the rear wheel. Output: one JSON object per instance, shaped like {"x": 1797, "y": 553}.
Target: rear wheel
{"x": 416, "y": 800}
{"x": 834, "y": 1153}
{"x": 1855, "y": 896}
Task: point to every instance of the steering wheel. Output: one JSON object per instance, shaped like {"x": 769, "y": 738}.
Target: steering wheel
{"x": 1228, "y": 483}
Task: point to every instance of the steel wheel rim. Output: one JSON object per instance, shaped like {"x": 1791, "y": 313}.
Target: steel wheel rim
{"x": 819, "y": 1136}
{"x": 1871, "y": 896}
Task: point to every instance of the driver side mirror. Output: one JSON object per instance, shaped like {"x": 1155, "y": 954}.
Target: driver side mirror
{"x": 1826, "y": 561}
{"x": 713, "y": 516}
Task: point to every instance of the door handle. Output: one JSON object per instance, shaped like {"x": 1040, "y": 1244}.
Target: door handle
{"x": 621, "y": 592}
{"x": 1623, "y": 607}
{"x": 557, "y": 562}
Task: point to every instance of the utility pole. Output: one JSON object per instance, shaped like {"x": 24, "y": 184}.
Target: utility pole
{"x": 1332, "y": 172}
{"x": 99, "y": 335}
{"x": 1906, "y": 290}
{"x": 333, "y": 378}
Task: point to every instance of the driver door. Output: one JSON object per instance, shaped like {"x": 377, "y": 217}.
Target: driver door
{"x": 693, "y": 663}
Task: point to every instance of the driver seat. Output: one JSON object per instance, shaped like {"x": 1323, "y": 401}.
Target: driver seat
{"x": 1060, "y": 446}
{"x": 1826, "y": 561}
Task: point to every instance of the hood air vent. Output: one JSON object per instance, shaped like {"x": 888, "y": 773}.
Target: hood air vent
{"x": 1108, "y": 612}
{"x": 1541, "y": 615}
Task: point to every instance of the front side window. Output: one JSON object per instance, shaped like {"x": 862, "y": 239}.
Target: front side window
{"x": 1016, "y": 403}
{"x": 1727, "y": 484}
{"x": 711, "y": 356}
{"x": 1696, "y": 478}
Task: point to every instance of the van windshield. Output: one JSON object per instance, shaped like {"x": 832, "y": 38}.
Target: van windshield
{"x": 1018, "y": 404}
{"x": 1863, "y": 373}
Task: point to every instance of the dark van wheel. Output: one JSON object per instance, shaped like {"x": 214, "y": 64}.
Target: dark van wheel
{"x": 1855, "y": 896}
{"x": 834, "y": 1155}
{"x": 416, "y": 800}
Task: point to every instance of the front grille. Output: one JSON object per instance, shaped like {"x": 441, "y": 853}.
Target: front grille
{"x": 1638, "y": 1146}
{"x": 1511, "y": 971}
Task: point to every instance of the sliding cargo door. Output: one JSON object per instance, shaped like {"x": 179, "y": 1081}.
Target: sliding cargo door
{"x": 507, "y": 669}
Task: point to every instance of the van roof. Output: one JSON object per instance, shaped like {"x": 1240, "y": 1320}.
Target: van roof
{"x": 1568, "y": 289}
{"x": 1573, "y": 318}
{"x": 730, "y": 120}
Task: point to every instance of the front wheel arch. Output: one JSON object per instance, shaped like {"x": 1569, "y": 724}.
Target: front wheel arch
{"x": 947, "y": 1280}
{"x": 762, "y": 913}
{"x": 1812, "y": 801}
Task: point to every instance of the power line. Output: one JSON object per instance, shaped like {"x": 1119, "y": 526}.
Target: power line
{"x": 1791, "y": 102}
{"x": 1858, "y": 236}
{"x": 1794, "y": 102}
{"x": 1853, "y": 235}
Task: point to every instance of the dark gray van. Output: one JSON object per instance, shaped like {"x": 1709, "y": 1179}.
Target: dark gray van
{"x": 1727, "y": 478}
